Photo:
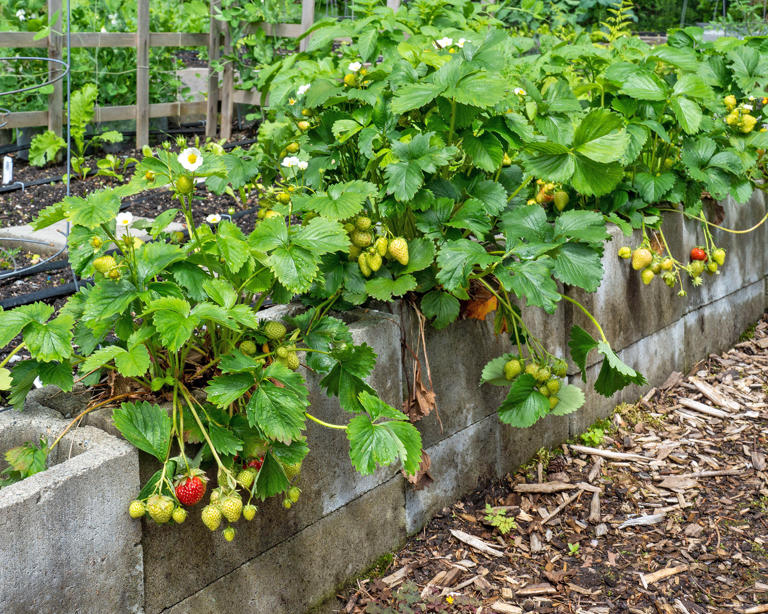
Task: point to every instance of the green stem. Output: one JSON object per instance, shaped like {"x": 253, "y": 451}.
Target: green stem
{"x": 190, "y": 404}
{"x": 15, "y": 351}
{"x": 588, "y": 314}
{"x": 340, "y": 427}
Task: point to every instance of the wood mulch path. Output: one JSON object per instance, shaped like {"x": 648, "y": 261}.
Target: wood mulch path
{"x": 668, "y": 514}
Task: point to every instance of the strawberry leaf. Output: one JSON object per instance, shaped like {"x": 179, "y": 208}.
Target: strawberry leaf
{"x": 581, "y": 344}
{"x": 147, "y": 426}
{"x": 271, "y": 479}
{"x": 570, "y": 399}
{"x": 524, "y": 405}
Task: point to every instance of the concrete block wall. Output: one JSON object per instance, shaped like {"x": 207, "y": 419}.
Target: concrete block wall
{"x": 68, "y": 544}
{"x": 288, "y": 561}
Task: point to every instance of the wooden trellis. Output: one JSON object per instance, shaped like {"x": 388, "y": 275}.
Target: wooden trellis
{"x": 218, "y": 41}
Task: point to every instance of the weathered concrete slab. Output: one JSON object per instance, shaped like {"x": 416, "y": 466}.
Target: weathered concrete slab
{"x": 304, "y": 570}
{"x": 456, "y": 357}
{"x": 715, "y": 327}
{"x": 68, "y": 543}
{"x": 744, "y": 253}
{"x": 625, "y": 308}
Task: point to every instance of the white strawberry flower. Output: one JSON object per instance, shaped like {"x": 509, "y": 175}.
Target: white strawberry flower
{"x": 355, "y": 66}
{"x": 113, "y": 19}
{"x": 124, "y": 219}
{"x": 290, "y": 161}
{"x": 213, "y": 218}
{"x": 460, "y": 42}
{"x": 191, "y": 159}
{"x": 444, "y": 42}
{"x": 519, "y": 91}
{"x": 303, "y": 89}
{"x": 747, "y": 107}
{"x": 21, "y": 15}
{"x": 303, "y": 164}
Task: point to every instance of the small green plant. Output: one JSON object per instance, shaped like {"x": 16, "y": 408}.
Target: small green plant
{"x": 498, "y": 518}
{"x": 45, "y": 147}
{"x": 748, "y": 333}
{"x": 112, "y": 166}
{"x": 619, "y": 22}
{"x": 573, "y": 549}
{"x": 596, "y": 433}
{"x": 7, "y": 256}
{"x": 408, "y": 600}
{"x": 23, "y": 461}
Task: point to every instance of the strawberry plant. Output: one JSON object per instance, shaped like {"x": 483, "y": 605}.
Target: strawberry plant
{"x": 175, "y": 319}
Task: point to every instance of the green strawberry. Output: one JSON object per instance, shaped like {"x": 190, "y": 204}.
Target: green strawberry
{"x": 398, "y": 249}
{"x": 160, "y": 508}
{"x": 248, "y": 347}
{"x": 231, "y": 507}
{"x": 282, "y": 352}
{"x": 293, "y": 493}
{"x": 362, "y": 262}
{"x": 179, "y": 515}
{"x": 363, "y": 222}
{"x": 211, "y": 517}
{"x": 249, "y": 511}
{"x": 292, "y": 361}
{"x": 104, "y": 264}
{"x": 381, "y": 245}
{"x": 246, "y": 477}
{"x": 553, "y": 386}
{"x": 512, "y": 369}
{"x": 137, "y": 509}
{"x": 291, "y": 471}
{"x": 361, "y": 238}
{"x": 229, "y": 533}
{"x": 274, "y": 330}
{"x": 375, "y": 261}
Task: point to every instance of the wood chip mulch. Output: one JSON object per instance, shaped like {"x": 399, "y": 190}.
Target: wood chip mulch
{"x": 667, "y": 515}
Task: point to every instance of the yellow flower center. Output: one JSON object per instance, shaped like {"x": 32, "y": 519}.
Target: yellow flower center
{"x": 192, "y": 158}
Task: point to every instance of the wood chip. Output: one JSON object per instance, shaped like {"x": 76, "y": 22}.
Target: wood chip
{"x": 758, "y": 609}
{"x": 476, "y": 543}
{"x": 714, "y": 395}
{"x": 642, "y": 521}
{"x": 676, "y": 482}
{"x": 649, "y": 578}
{"x": 397, "y": 577}
{"x": 505, "y": 608}
{"x": 707, "y": 410}
{"x": 610, "y": 454}
{"x": 545, "y": 588}
{"x": 545, "y": 487}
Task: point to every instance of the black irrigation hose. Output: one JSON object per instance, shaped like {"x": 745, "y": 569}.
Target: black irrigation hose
{"x": 18, "y": 185}
{"x": 40, "y": 295}
{"x": 52, "y": 265}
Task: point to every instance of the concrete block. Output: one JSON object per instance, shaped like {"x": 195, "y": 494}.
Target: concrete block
{"x": 458, "y": 466}
{"x": 456, "y": 356}
{"x": 178, "y": 560}
{"x": 304, "y": 570}
{"x": 716, "y": 327}
{"x": 625, "y": 308}
{"x": 655, "y": 356}
{"x": 68, "y": 542}
{"x": 517, "y": 446}
{"x": 746, "y": 254}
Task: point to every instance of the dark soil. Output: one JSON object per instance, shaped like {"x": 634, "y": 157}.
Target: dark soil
{"x": 20, "y": 284}
{"x": 701, "y": 492}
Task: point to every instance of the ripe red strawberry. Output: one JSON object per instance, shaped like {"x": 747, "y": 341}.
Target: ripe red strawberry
{"x": 256, "y": 463}
{"x": 190, "y": 488}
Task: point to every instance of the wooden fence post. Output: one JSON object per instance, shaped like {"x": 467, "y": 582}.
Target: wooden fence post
{"x": 56, "y": 97}
{"x": 211, "y": 118}
{"x": 227, "y": 87}
{"x": 307, "y": 20}
{"x": 142, "y": 73}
